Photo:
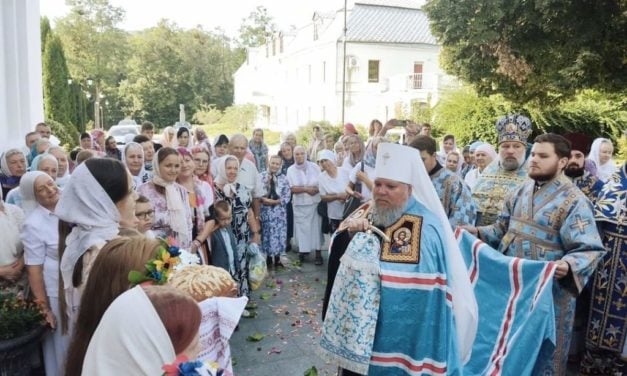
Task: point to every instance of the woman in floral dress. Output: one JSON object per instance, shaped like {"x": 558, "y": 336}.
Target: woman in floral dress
{"x": 274, "y": 211}
{"x": 227, "y": 189}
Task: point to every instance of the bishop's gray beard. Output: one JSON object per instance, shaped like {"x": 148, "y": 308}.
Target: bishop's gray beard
{"x": 385, "y": 217}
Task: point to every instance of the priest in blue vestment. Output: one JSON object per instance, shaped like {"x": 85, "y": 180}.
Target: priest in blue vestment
{"x": 453, "y": 193}
{"x": 505, "y": 173}
{"x": 606, "y": 336}
{"x": 399, "y": 302}
{"x": 548, "y": 219}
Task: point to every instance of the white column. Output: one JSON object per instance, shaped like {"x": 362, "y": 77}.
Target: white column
{"x": 21, "y": 96}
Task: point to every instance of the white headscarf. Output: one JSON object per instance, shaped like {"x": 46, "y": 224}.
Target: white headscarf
{"x": 143, "y": 175}
{"x": 174, "y": 202}
{"x": 405, "y": 165}
{"x": 34, "y": 166}
{"x": 229, "y": 189}
{"x": 62, "y": 180}
{"x": 4, "y": 163}
{"x": 488, "y": 149}
{"x": 27, "y": 190}
{"x": 130, "y": 339}
{"x": 606, "y": 170}
{"x": 85, "y": 204}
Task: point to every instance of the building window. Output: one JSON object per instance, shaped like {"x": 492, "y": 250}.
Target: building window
{"x": 309, "y": 74}
{"x": 281, "y": 43}
{"x": 273, "y": 47}
{"x": 315, "y": 31}
{"x": 324, "y": 113}
{"x": 324, "y": 71}
{"x": 417, "y": 76}
{"x": 373, "y": 70}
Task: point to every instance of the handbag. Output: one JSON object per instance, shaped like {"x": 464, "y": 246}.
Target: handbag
{"x": 322, "y": 209}
{"x": 352, "y": 203}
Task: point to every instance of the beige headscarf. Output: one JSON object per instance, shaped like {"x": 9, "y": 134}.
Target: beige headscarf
{"x": 174, "y": 201}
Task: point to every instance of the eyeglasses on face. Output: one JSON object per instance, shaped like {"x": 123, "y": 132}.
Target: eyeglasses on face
{"x": 145, "y": 215}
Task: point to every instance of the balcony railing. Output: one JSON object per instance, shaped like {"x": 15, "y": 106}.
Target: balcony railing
{"x": 414, "y": 81}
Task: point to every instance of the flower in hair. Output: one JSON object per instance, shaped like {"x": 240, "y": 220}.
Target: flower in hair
{"x": 157, "y": 269}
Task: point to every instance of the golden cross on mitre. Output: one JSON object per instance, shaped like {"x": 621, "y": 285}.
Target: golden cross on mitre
{"x": 386, "y": 156}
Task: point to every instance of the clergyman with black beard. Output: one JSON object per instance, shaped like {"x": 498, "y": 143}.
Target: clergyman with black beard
{"x": 586, "y": 181}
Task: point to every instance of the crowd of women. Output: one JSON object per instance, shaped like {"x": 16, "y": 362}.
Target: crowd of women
{"x": 76, "y": 223}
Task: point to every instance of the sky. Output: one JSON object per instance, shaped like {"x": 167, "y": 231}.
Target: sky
{"x": 141, "y": 14}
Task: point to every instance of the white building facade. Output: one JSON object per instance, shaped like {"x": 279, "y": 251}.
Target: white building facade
{"x": 391, "y": 62}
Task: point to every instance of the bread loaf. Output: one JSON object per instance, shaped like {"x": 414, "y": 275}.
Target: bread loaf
{"x": 203, "y": 282}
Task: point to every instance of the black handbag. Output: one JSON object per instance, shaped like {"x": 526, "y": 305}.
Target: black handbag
{"x": 322, "y": 209}
{"x": 352, "y": 203}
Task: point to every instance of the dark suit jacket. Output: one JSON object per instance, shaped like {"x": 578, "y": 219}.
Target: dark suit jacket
{"x": 219, "y": 256}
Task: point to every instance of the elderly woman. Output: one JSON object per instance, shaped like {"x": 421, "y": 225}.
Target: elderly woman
{"x": 12, "y": 167}
{"x": 303, "y": 177}
{"x": 332, "y": 185}
{"x": 97, "y": 201}
{"x": 202, "y": 164}
{"x": 286, "y": 152}
{"x": 12, "y": 276}
{"x": 173, "y": 217}
{"x": 133, "y": 158}
{"x": 259, "y": 149}
{"x": 63, "y": 171}
{"x": 601, "y": 154}
{"x": 46, "y": 163}
{"x": 40, "y": 236}
{"x": 273, "y": 211}
{"x": 199, "y": 196}
{"x": 244, "y": 221}
{"x": 484, "y": 155}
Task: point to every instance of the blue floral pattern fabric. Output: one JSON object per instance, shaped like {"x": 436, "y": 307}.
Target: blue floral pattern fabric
{"x": 350, "y": 323}
{"x": 274, "y": 218}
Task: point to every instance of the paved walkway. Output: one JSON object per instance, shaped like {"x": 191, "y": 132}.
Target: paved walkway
{"x": 288, "y": 312}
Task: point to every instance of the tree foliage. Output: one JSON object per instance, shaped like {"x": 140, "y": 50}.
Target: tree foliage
{"x": 470, "y": 117}
{"x": 146, "y": 74}
{"x": 58, "y": 99}
{"x": 533, "y": 51}
{"x": 256, "y": 28}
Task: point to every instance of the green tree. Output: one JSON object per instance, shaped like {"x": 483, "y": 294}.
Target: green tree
{"x": 533, "y": 51}
{"x": 96, "y": 49}
{"x": 57, "y": 96}
{"x": 241, "y": 116}
{"x": 44, "y": 28}
{"x": 256, "y": 28}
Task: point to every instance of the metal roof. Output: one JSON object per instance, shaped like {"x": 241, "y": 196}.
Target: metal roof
{"x": 373, "y": 22}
